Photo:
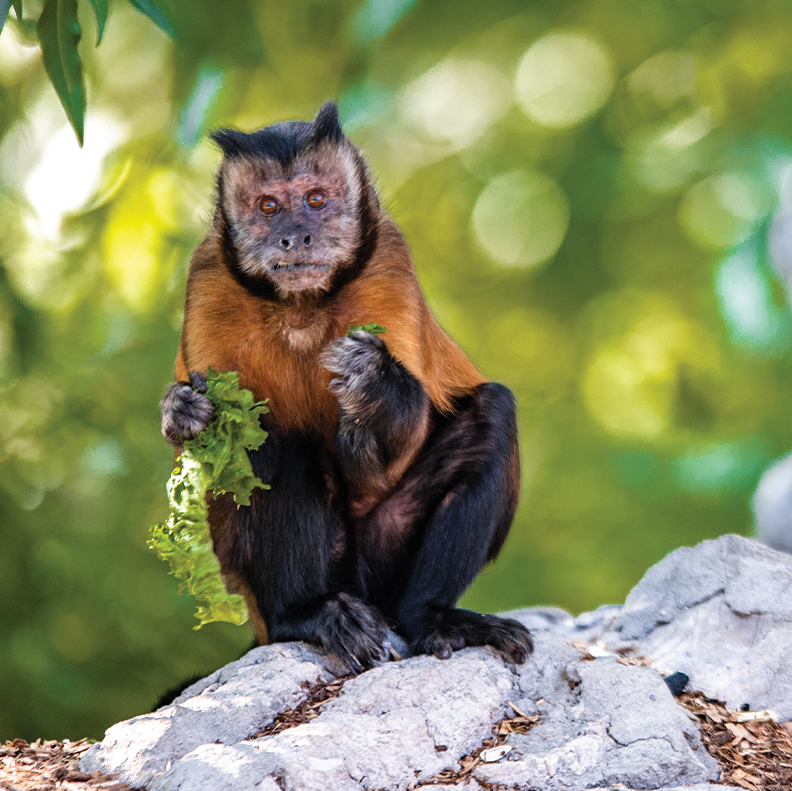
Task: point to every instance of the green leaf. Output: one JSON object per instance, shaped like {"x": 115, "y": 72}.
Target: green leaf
{"x": 59, "y": 33}
{"x": 154, "y": 13}
{"x": 100, "y": 11}
{"x": 372, "y": 328}
{"x": 215, "y": 460}
{"x": 17, "y": 8}
{"x": 5, "y": 5}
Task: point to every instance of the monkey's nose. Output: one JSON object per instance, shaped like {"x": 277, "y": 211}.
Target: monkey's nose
{"x": 287, "y": 242}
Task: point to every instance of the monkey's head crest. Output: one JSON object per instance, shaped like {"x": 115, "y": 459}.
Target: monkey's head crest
{"x": 282, "y": 142}
{"x": 296, "y": 210}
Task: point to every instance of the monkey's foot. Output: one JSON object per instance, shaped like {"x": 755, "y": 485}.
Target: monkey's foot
{"x": 451, "y": 629}
{"x": 352, "y": 630}
{"x": 186, "y": 411}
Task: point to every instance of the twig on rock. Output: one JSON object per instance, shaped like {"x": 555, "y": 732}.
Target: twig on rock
{"x": 468, "y": 763}
{"x": 316, "y": 695}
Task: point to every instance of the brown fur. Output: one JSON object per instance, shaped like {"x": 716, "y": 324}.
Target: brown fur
{"x": 229, "y": 329}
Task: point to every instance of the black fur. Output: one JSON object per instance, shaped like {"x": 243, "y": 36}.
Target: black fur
{"x": 322, "y": 575}
{"x": 282, "y": 142}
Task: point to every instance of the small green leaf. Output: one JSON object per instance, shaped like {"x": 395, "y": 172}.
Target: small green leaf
{"x": 59, "y": 33}
{"x": 154, "y": 13}
{"x": 17, "y": 8}
{"x": 100, "y": 11}
{"x": 372, "y": 328}
{"x": 5, "y": 5}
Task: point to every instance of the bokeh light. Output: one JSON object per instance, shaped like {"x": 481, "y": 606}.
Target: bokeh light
{"x": 457, "y": 100}
{"x": 564, "y": 78}
{"x": 723, "y": 210}
{"x": 520, "y": 218}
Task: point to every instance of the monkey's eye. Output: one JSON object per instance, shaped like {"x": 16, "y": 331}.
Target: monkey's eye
{"x": 268, "y": 206}
{"x": 315, "y": 199}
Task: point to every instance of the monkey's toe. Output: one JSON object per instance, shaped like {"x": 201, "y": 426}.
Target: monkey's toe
{"x": 453, "y": 629}
{"x": 353, "y": 631}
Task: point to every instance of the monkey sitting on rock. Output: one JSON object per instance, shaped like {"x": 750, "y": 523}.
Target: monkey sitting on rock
{"x": 393, "y": 463}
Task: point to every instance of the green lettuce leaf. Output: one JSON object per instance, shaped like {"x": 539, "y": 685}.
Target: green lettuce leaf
{"x": 372, "y": 328}
{"x": 217, "y": 461}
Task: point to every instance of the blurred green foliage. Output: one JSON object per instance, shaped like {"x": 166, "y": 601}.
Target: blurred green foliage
{"x": 586, "y": 188}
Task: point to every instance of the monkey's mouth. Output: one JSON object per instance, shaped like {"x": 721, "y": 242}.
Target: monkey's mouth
{"x": 292, "y": 276}
{"x": 299, "y": 266}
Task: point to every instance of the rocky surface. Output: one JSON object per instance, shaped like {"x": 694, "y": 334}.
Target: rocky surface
{"x": 717, "y": 612}
{"x": 721, "y": 613}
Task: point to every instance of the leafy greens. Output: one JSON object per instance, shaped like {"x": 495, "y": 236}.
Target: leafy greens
{"x": 217, "y": 461}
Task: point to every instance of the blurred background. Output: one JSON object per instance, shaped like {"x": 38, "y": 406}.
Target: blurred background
{"x": 587, "y": 190}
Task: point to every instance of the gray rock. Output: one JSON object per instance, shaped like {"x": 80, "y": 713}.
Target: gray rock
{"x": 385, "y": 728}
{"x": 227, "y": 707}
{"x": 220, "y": 768}
{"x": 721, "y": 613}
{"x": 585, "y": 628}
{"x": 409, "y": 721}
{"x": 614, "y": 724}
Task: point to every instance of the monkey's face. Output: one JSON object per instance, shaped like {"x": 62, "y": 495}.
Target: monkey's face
{"x": 295, "y": 226}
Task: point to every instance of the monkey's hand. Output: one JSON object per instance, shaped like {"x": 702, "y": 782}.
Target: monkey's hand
{"x": 371, "y": 387}
{"x": 360, "y": 362}
{"x": 383, "y": 408}
{"x": 186, "y": 411}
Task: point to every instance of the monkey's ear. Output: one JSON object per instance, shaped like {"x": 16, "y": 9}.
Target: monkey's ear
{"x": 326, "y": 125}
{"x": 232, "y": 142}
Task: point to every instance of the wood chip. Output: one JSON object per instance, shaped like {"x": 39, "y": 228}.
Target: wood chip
{"x": 50, "y": 765}
{"x": 316, "y": 696}
{"x": 752, "y": 751}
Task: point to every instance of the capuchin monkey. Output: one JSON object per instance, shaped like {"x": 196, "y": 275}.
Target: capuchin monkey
{"x": 393, "y": 463}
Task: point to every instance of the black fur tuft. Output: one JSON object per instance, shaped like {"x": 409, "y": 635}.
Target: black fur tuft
{"x": 281, "y": 142}
{"x": 326, "y": 125}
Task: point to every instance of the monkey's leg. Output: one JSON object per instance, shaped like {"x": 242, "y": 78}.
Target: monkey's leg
{"x": 449, "y": 515}
{"x": 291, "y": 549}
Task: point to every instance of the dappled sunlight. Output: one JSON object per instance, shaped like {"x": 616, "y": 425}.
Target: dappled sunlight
{"x": 723, "y": 210}
{"x": 664, "y": 79}
{"x": 17, "y": 56}
{"x": 456, "y": 100}
{"x": 666, "y": 158}
{"x": 66, "y": 176}
{"x": 632, "y": 383}
{"x": 745, "y": 296}
{"x": 542, "y": 367}
{"x": 521, "y": 218}
{"x": 563, "y": 78}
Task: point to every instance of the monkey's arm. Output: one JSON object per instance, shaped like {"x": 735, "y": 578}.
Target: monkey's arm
{"x": 383, "y": 409}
